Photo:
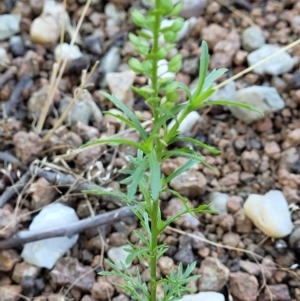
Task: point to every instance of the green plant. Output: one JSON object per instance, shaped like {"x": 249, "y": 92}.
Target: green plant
{"x": 144, "y": 175}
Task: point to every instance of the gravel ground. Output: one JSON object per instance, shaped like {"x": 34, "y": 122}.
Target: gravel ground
{"x": 249, "y": 250}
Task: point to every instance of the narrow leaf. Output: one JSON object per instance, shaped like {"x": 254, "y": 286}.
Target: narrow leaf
{"x": 181, "y": 169}
{"x": 211, "y": 149}
{"x": 127, "y": 111}
{"x": 224, "y": 102}
{"x": 105, "y": 192}
{"x": 183, "y": 153}
{"x": 121, "y": 118}
{"x": 186, "y": 89}
{"x": 136, "y": 176}
{"x": 213, "y": 76}
{"x": 197, "y": 101}
{"x": 204, "y": 61}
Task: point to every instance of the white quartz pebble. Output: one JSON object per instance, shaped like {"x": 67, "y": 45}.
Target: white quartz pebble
{"x": 44, "y": 253}
{"x": 270, "y": 213}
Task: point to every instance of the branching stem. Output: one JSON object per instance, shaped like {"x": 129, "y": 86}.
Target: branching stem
{"x": 153, "y": 261}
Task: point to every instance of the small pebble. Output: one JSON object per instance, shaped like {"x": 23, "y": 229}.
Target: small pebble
{"x": 17, "y": 47}
{"x": 218, "y": 202}
{"x": 119, "y": 255}
{"x": 64, "y": 50}
{"x": 188, "y": 123}
{"x": 270, "y": 213}
{"x": 120, "y": 86}
{"x": 111, "y": 60}
{"x": 3, "y": 57}
{"x": 278, "y": 65}
{"x": 203, "y": 296}
{"x": 40, "y": 26}
{"x": 214, "y": 275}
{"x": 252, "y": 38}
{"x": 264, "y": 99}
{"x": 112, "y": 12}
{"x": 10, "y": 25}
{"x": 45, "y": 253}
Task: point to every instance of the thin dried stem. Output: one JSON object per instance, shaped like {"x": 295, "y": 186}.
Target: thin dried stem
{"x": 240, "y": 74}
{"x": 49, "y": 99}
{"x": 71, "y": 104}
{"x": 64, "y": 63}
{"x": 219, "y": 245}
{"x": 23, "y": 237}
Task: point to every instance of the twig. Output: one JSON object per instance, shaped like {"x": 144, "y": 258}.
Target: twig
{"x": 7, "y": 75}
{"x": 16, "y": 95}
{"x": 7, "y": 157}
{"x": 23, "y": 237}
{"x": 61, "y": 179}
{"x": 12, "y": 190}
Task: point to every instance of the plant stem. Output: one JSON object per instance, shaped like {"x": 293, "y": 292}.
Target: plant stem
{"x": 154, "y": 238}
{"x": 155, "y": 49}
{"x": 155, "y": 204}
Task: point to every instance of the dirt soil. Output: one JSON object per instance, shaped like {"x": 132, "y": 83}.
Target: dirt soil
{"x": 40, "y": 163}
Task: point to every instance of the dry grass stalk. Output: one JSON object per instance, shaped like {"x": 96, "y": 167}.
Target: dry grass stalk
{"x": 63, "y": 65}
{"x": 69, "y": 107}
{"x": 240, "y": 74}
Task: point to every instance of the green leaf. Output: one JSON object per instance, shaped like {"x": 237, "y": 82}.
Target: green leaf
{"x": 197, "y": 101}
{"x": 136, "y": 176}
{"x": 211, "y": 149}
{"x": 145, "y": 34}
{"x": 138, "y": 18}
{"x": 177, "y": 24}
{"x": 140, "y": 91}
{"x": 164, "y": 81}
{"x": 116, "y": 141}
{"x": 164, "y": 117}
{"x": 162, "y": 53}
{"x": 176, "y": 58}
{"x": 150, "y": 22}
{"x": 142, "y": 49}
{"x": 121, "y": 118}
{"x": 172, "y": 98}
{"x": 127, "y": 111}
{"x": 213, "y": 76}
{"x": 172, "y": 87}
{"x": 170, "y": 36}
{"x": 186, "y": 166}
{"x": 204, "y": 209}
{"x": 166, "y": 6}
{"x": 141, "y": 44}
{"x": 147, "y": 66}
{"x": 204, "y": 62}
{"x": 185, "y": 202}
{"x": 176, "y": 9}
{"x": 186, "y": 89}
{"x": 183, "y": 152}
{"x": 133, "y": 39}
{"x": 155, "y": 183}
{"x": 175, "y": 63}
{"x": 135, "y": 65}
{"x": 105, "y": 192}
{"x": 224, "y": 102}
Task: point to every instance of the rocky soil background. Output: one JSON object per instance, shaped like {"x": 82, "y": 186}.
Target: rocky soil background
{"x": 248, "y": 251}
